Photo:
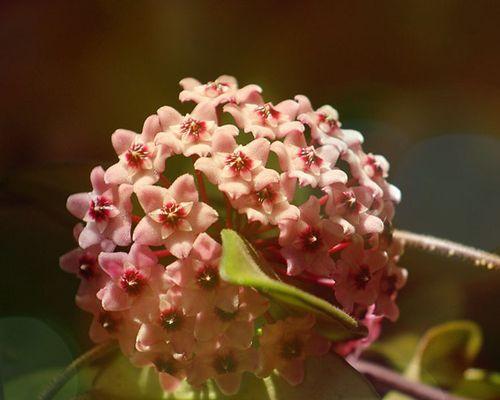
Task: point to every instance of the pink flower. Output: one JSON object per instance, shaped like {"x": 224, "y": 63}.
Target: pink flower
{"x": 141, "y": 161}
{"x": 285, "y": 344}
{"x": 108, "y": 325}
{"x": 353, "y": 204}
{"x": 167, "y": 323}
{"x": 83, "y": 263}
{"x": 106, "y": 211}
{"x": 233, "y": 167}
{"x": 268, "y": 202}
{"x": 357, "y": 275}
{"x": 311, "y": 166}
{"x": 170, "y": 366}
{"x": 191, "y": 134}
{"x": 224, "y": 365}
{"x": 197, "y": 279}
{"x": 392, "y": 280}
{"x": 174, "y": 216}
{"x": 134, "y": 280}
{"x": 232, "y": 328}
{"x": 325, "y": 125}
{"x": 354, "y": 348}
{"x": 265, "y": 120}
{"x": 306, "y": 242}
{"x": 220, "y": 91}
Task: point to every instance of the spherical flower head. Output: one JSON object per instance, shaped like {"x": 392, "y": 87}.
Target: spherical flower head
{"x": 296, "y": 185}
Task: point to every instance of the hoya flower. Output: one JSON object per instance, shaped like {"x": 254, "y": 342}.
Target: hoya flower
{"x": 285, "y": 344}
{"x": 224, "y": 365}
{"x": 171, "y": 367}
{"x": 269, "y": 200}
{"x": 198, "y": 281}
{"x": 141, "y": 161}
{"x": 106, "y": 211}
{"x": 190, "y": 134}
{"x": 232, "y": 328}
{"x": 174, "y": 216}
{"x": 307, "y": 241}
{"x": 133, "y": 277}
{"x": 167, "y": 323}
{"x": 392, "y": 280}
{"x": 310, "y": 165}
{"x": 83, "y": 263}
{"x": 266, "y": 120}
{"x": 233, "y": 167}
{"x": 357, "y": 275}
{"x": 353, "y": 204}
{"x": 220, "y": 91}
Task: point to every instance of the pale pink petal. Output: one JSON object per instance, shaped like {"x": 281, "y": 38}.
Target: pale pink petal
{"x": 114, "y": 298}
{"x": 122, "y": 139}
{"x": 112, "y": 263}
{"x": 258, "y": 149}
{"x": 184, "y": 189}
{"x": 205, "y": 248}
{"x": 148, "y": 232}
{"x": 151, "y": 197}
{"x": 78, "y": 204}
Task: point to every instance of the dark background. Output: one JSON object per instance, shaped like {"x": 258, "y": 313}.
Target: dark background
{"x": 419, "y": 78}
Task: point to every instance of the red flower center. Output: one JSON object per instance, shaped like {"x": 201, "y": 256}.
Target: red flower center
{"x": 100, "y": 208}
{"x": 208, "y": 277}
{"x": 311, "y": 239}
{"x": 136, "y": 155}
{"x": 216, "y": 88}
{"x": 348, "y": 200}
{"x": 238, "y": 161}
{"x": 225, "y": 364}
{"x": 309, "y": 157}
{"x": 192, "y": 129}
{"x": 330, "y": 122}
{"x": 265, "y": 194}
{"x": 132, "y": 281}
{"x": 171, "y": 319}
{"x": 291, "y": 349}
{"x": 86, "y": 266}
{"x": 267, "y": 111}
{"x": 108, "y": 323}
{"x": 362, "y": 277}
{"x": 171, "y": 213}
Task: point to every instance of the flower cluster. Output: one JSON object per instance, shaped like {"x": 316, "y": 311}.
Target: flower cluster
{"x": 149, "y": 243}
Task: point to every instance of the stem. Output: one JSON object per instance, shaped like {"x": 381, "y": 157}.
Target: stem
{"x": 164, "y": 180}
{"x": 59, "y": 381}
{"x": 397, "y": 382}
{"x": 448, "y": 248}
{"x": 229, "y": 213}
{"x": 201, "y": 183}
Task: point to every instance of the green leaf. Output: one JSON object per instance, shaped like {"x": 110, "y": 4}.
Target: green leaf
{"x": 328, "y": 377}
{"x": 445, "y": 352}
{"x": 479, "y": 384}
{"x": 239, "y": 266}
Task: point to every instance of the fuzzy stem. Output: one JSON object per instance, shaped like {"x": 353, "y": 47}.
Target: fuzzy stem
{"x": 59, "y": 381}
{"x": 448, "y": 248}
{"x": 401, "y": 384}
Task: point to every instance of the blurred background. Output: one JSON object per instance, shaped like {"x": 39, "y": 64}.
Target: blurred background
{"x": 420, "y": 79}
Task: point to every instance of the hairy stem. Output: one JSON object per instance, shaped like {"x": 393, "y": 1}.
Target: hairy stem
{"x": 59, "y": 381}
{"x": 401, "y": 384}
{"x": 448, "y": 248}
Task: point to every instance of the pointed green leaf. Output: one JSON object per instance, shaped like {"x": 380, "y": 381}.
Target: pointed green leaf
{"x": 445, "y": 352}
{"x": 239, "y": 266}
